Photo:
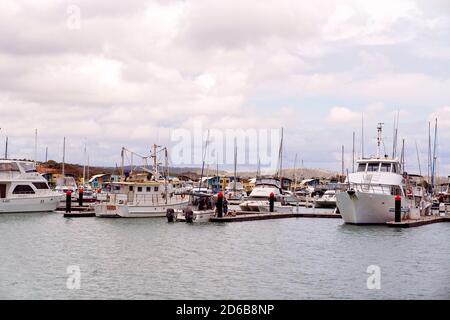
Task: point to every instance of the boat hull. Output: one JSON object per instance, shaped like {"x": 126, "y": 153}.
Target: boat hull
{"x": 131, "y": 211}
{"x": 325, "y": 204}
{"x": 29, "y": 205}
{"x": 366, "y": 208}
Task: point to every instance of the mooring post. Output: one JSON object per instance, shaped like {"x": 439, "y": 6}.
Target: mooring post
{"x": 272, "y": 202}
{"x": 68, "y": 201}
{"x": 80, "y": 197}
{"x": 398, "y": 209}
{"x": 219, "y": 205}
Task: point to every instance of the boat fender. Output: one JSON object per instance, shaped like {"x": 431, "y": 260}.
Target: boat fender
{"x": 170, "y": 215}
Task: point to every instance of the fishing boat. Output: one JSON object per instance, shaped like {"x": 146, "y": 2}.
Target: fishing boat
{"x": 371, "y": 191}
{"x": 142, "y": 195}
{"x": 23, "y": 189}
{"x": 200, "y": 210}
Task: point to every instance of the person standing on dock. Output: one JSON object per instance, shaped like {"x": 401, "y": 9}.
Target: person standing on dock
{"x": 225, "y": 207}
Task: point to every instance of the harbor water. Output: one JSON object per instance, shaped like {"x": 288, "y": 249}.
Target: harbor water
{"x": 275, "y": 259}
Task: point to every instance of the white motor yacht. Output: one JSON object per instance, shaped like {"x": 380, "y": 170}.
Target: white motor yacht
{"x": 23, "y": 189}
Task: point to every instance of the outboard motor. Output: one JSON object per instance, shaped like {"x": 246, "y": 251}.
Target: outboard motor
{"x": 189, "y": 214}
{"x": 170, "y": 215}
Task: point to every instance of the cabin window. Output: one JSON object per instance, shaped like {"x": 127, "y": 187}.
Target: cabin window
{"x": 362, "y": 167}
{"x": 117, "y": 188}
{"x": 139, "y": 189}
{"x": 385, "y": 167}
{"x": 23, "y": 189}
{"x": 41, "y": 185}
{"x": 395, "y": 168}
{"x": 149, "y": 189}
{"x": 6, "y": 167}
{"x": 131, "y": 188}
{"x": 156, "y": 189}
{"x": 373, "y": 167}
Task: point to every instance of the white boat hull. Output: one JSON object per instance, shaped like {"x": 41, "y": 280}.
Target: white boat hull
{"x": 366, "y": 208}
{"x": 276, "y": 209}
{"x": 30, "y": 204}
{"x": 199, "y": 216}
{"x": 104, "y": 210}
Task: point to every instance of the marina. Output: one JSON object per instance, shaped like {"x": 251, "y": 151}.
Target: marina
{"x": 212, "y": 150}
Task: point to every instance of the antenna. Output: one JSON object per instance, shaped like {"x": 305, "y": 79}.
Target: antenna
{"x": 353, "y": 153}
{"x": 6, "y": 148}
{"x": 343, "y": 161}
{"x": 379, "y": 138}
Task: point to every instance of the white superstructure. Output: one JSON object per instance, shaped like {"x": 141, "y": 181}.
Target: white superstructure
{"x": 23, "y": 189}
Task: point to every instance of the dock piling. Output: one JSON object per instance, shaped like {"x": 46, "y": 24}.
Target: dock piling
{"x": 271, "y": 202}
{"x": 220, "y": 205}
{"x": 68, "y": 202}
{"x": 80, "y": 197}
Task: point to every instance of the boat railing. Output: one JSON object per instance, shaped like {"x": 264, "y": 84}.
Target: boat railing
{"x": 144, "y": 199}
{"x": 374, "y": 188}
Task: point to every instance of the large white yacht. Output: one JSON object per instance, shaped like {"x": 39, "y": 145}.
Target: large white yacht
{"x": 371, "y": 191}
{"x": 23, "y": 189}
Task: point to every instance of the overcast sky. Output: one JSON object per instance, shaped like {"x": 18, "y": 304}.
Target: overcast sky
{"x": 127, "y": 73}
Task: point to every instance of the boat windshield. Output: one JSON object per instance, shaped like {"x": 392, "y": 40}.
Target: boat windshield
{"x": 28, "y": 166}
{"x": 385, "y": 167}
{"x": 373, "y": 167}
{"x": 362, "y": 167}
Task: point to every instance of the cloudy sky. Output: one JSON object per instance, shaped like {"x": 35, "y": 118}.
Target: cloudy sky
{"x": 128, "y": 73}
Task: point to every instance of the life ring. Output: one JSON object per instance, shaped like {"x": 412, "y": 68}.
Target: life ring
{"x": 409, "y": 191}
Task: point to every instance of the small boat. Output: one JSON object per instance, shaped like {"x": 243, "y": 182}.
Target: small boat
{"x": 328, "y": 200}
{"x": 23, "y": 189}
{"x": 201, "y": 210}
{"x": 65, "y": 184}
{"x": 259, "y": 197}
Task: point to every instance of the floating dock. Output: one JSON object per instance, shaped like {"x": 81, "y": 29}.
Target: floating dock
{"x": 253, "y": 216}
{"x": 419, "y": 222}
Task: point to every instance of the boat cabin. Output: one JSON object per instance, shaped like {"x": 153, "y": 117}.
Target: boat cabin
{"x": 379, "y": 165}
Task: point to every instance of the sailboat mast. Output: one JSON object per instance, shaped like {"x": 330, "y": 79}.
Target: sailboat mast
{"x": 6, "y": 148}
{"x": 84, "y": 166}
{"x": 343, "y": 162}
{"x": 64, "y": 158}
{"x": 122, "y": 163}
{"x": 35, "y": 144}
{"x": 433, "y": 169}
{"x": 203, "y": 163}
{"x": 235, "y": 165}
{"x": 362, "y": 136}
{"x": 418, "y": 159}
{"x": 295, "y": 172}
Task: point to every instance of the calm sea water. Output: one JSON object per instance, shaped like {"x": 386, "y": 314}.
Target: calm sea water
{"x": 278, "y": 259}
